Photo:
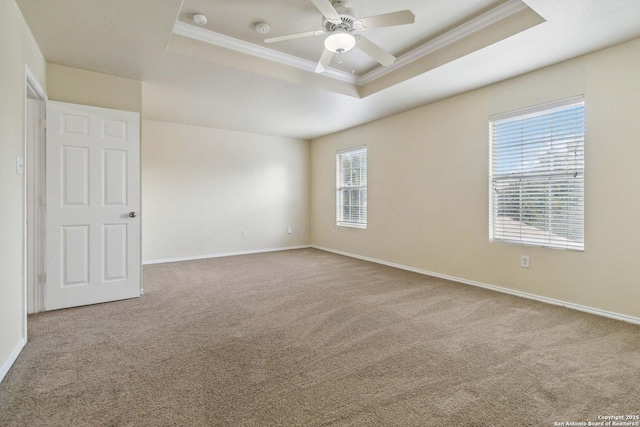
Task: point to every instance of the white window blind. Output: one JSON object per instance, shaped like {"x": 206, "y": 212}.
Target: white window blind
{"x": 351, "y": 187}
{"x": 537, "y": 176}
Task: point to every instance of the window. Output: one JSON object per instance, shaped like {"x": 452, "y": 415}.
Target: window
{"x": 351, "y": 184}
{"x": 537, "y": 176}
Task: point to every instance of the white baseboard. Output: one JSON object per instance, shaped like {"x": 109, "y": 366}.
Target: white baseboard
{"x": 12, "y": 358}
{"x": 224, "y": 254}
{"x": 578, "y": 307}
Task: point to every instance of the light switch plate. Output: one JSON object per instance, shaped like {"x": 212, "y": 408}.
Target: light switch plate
{"x": 19, "y": 165}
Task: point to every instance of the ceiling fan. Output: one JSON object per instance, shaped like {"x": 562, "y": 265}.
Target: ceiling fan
{"x": 341, "y": 25}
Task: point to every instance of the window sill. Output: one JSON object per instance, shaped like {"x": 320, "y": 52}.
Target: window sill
{"x": 351, "y": 225}
{"x": 537, "y": 245}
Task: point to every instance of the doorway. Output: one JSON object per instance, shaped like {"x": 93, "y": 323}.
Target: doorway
{"x": 81, "y": 203}
{"x": 34, "y": 191}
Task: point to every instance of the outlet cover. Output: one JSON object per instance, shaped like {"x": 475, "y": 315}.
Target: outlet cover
{"x": 524, "y": 261}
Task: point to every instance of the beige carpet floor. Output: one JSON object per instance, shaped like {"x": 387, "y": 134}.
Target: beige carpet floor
{"x": 310, "y": 338}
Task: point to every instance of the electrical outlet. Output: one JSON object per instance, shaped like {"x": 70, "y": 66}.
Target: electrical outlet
{"x": 245, "y": 234}
{"x": 524, "y": 261}
{"x": 289, "y": 230}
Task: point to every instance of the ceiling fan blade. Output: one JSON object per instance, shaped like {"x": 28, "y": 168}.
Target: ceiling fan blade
{"x": 375, "y": 51}
{"x": 324, "y": 62}
{"x": 326, "y": 8}
{"x": 294, "y": 36}
{"x": 401, "y": 17}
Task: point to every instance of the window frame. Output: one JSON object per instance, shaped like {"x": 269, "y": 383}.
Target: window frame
{"x": 564, "y": 203}
{"x": 341, "y": 187}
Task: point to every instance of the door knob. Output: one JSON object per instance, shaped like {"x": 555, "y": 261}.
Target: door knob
{"x": 132, "y": 214}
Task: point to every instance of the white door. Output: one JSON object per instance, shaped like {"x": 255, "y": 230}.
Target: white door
{"x": 93, "y": 199}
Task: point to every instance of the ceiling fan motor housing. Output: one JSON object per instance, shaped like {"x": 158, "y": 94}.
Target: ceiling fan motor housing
{"x": 348, "y": 23}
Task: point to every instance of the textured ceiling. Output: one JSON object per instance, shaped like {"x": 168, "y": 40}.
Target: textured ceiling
{"x": 218, "y": 87}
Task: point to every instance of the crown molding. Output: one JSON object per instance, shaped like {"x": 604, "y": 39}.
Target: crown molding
{"x": 478, "y": 23}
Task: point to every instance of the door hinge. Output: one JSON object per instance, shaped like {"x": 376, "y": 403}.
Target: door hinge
{"x": 42, "y": 278}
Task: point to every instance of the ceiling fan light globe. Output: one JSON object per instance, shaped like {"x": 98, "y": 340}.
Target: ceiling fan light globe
{"x": 339, "y": 42}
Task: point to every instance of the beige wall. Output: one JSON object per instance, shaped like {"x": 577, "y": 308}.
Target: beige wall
{"x": 17, "y": 48}
{"x": 67, "y": 84}
{"x": 428, "y": 187}
{"x": 202, "y": 187}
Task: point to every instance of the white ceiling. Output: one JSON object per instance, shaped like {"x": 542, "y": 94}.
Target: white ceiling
{"x": 217, "y": 87}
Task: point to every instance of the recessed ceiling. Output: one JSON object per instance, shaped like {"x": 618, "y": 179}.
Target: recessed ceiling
{"x": 236, "y": 19}
{"x": 225, "y": 88}
{"x": 437, "y": 27}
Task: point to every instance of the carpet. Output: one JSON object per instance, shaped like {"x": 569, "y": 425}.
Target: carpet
{"x": 311, "y": 338}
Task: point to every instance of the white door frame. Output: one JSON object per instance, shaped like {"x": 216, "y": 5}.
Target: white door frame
{"x": 33, "y": 181}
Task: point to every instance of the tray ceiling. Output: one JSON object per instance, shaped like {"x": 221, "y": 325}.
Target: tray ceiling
{"x": 437, "y": 27}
